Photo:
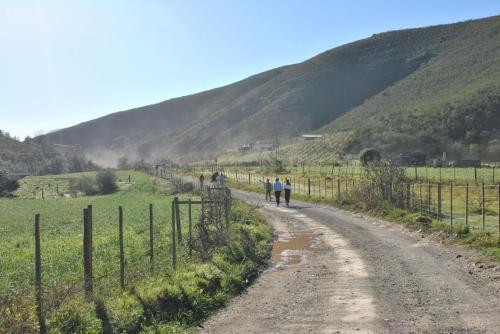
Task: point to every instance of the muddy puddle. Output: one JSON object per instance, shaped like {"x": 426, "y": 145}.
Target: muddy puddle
{"x": 291, "y": 251}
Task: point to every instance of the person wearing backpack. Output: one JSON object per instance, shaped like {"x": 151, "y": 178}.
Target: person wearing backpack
{"x": 277, "y": 190}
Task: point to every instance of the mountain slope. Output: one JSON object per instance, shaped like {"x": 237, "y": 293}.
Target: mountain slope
{"x": 40, "y": 158}
{"x": 355, "y": 88}
{"x": 451, "y": 104}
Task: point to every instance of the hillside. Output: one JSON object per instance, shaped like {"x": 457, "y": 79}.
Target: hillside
{"x": 39, "y": 158}
{"x": 409, "y": 89}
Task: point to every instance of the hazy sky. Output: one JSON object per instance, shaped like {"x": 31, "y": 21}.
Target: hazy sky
{"x": 64, "y": 62}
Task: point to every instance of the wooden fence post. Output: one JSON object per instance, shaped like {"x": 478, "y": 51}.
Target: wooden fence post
{"x": 151, "y": 237}
{"x": 87, "y": 254}
{"x": 451, "y": 204}
{"x": 429, "y": 198}
{"x": 332, "y": 187}
{"x": 38, "y": 277}
{"x": 483, "y": 214}
{"x": 408, "y": 194}
{"x": 122, "y": 255}
{"x": 309, "y": 186}
{"x": 467, "y": 204}
{"x": 190, "y": 229}
{"x": 475, "y": 174}
{"x": 499, "y": 212}
{"x": 178, "y": 219}
{"x": 338, "y": 189}
{"x": 174, "y": 260}
{"x": 91, "y": 235}
{"x": 440, "y": 202}
{"x": 420, "y": 197}
{"x": 226, "y": 210}
{"x": 248, "y": 178}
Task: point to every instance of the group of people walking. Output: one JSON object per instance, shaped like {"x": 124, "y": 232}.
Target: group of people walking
{"x": 278, "y": 187}
{"x": 214, "y": 179}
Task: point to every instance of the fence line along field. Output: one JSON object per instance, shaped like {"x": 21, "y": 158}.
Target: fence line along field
{"x": 460, "y": 175}
{"x": 475, "y": 205}
{"x": 61, "y": 230}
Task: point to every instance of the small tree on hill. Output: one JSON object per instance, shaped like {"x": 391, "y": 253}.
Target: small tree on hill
{"x": 106, "y": 182}
{"x": 7, "y": 186}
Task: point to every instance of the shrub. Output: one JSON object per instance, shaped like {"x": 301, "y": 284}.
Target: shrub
{"x": 18, "y": 315}
{"x": 78, "y": 316}
{"x": 85, "y": 185}
{"x": 7, "y": 186}
{"x": 126, "y": 313}
{"x": 382, "y": 183}
{"x": 106, "y": 182}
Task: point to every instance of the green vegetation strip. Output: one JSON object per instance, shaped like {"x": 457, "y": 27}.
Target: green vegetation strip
{"x": 160, "y": 301}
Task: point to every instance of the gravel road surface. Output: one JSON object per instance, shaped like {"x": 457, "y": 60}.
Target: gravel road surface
{"x": 337, "y": 272}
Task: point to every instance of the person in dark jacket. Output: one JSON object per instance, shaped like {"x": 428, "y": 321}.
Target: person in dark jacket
{"x": 214, "y": 177}
{"x": 268, "y": 186}
{"x": 288, "y": 190}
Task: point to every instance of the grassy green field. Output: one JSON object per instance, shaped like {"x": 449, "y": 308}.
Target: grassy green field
{"x": 62, "y": 263}
{"x": 62, "y": 230}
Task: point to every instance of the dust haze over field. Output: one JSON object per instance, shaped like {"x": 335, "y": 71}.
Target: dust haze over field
{"x": 391, "y": 90}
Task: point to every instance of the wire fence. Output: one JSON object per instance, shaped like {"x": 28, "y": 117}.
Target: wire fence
{"x": 475, "y": 205}
{"x": 114, "y": 252}
{"x": 484, "y": 174}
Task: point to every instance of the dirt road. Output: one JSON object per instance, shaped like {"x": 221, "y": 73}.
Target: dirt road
{"x": 338, "y": 272}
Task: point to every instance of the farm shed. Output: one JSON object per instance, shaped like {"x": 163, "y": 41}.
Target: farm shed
{"x": 309, "y": 137}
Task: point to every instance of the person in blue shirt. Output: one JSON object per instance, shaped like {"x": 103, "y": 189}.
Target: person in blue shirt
{"x": 277, "y": 190}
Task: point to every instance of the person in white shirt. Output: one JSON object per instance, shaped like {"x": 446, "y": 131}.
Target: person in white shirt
{"x": 277, "y": 190}
{"x": 288, "y": 190}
